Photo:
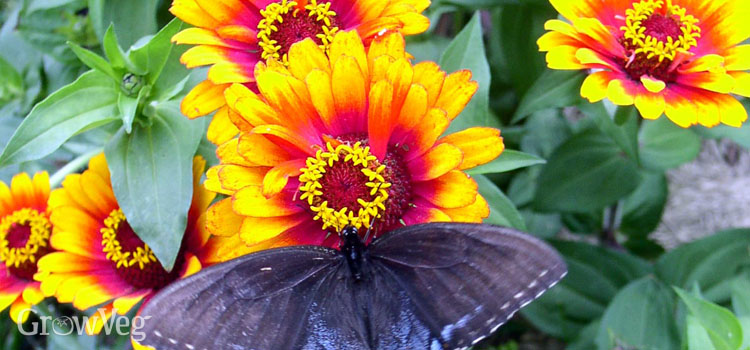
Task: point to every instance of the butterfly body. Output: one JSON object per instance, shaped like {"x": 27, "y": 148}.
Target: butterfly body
{"x": 431, "y": 286}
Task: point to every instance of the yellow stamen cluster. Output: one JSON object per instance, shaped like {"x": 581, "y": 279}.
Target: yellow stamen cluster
{"x": 356, "y": 156}
{"x": 111, "y": 246}
{"x": 634, "y": 30}
{"x": 39, "y": 227}
{"x": 273, "y": 18}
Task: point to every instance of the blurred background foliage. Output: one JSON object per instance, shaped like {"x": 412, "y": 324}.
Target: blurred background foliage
{"x": 590, "y": 178}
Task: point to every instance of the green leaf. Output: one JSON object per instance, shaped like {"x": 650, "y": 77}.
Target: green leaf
{"x": 665, "y": 145}
{"x": 502, "y": 210}
{"x": 643, "y": 208}
{"x": 507, "y": 161}
{"x": 93, "y": 60}
{"x": 554, "y": 89}
{"x": 152, "y": 57}
{"x": 697, "y": 335}
{"x": 595, "y": 274}
{"x": 10, "y": 79}
{"x": 710, "y": 262}
{"x": 586, "y": 173}
{"x": 152, "y": 178}
{"x": 129, "y": 107}
{"x": 112, "y": 49}
{"x": 133, "y": 19}
{"x": 739, "y": 135}
{"x": 467, "y": 52}
{"x": 741, "y": 297}
{"x": 516, "y": 28}
{"x": 722, "y": 326}
{"x": 640, "y": 317}
{"x": 89, "y": 102}
{"x": 624, "y": 135}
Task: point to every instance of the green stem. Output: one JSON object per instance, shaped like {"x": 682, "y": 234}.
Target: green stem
{"x": 74, "y": 165}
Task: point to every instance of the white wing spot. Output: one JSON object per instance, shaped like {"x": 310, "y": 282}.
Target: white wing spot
{"x": 543, "y": 273}
{"x": 173, "y": 341}
{"x": 266, "y": 269}
{"x": 518, "y": 296}
{"x": 540, "y": 293}
{"x": 532, "y": 284}
{"x": 158, "y": 334}
{"x": 318, "y": 259}
{"x": 189, "y": 346}
{"x": 505, "y": 306}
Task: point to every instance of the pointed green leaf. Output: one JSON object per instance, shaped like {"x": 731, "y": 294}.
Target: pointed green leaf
{"x": 93, "y": 60}
{"x": 502, "y": 210}
{"x": 467, "y": 52}
{"x": 112, "y": 49}
{"x": 507, "y": 161}
{"x": 586, "y": 173}
{"x": 722, "y": 326}
{"x": 152, "y": 57}
{"x": 89, "y": 102}
{"x": 640, "y": 317}
{"x": 665, "y": 145}
{"x": 555, "y": 88}
{"x": 152, "y": 178}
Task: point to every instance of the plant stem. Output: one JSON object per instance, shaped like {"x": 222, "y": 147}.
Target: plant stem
{"x": 607, "y": 236}
{"x": 76, "y": 164}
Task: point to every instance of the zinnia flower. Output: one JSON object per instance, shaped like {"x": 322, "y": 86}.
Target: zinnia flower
{"x": 347, "y": 136}
{"x": 100, "y": 259}
{"x": 233, "y": 35}
{"x": 24, "y": 238}
{"x": 678, "y": 57}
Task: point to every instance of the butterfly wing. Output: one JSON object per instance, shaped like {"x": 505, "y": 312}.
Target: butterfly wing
{"x": 287, "y": 298}
{"x": 463, "y": 280}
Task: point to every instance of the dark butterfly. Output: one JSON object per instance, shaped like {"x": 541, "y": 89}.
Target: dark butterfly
{"x": 430, "y": 286}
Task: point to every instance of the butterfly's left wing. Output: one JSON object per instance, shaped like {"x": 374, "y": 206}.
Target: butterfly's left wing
{"x": 285, "y": 298}
{"x": 462, "y": 281}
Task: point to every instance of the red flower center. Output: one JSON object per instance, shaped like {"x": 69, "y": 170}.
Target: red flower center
{"x": 346, "y": 185}
{"x": 132, "y": 259}
{"x": 287, "y": 22}
{"x": 24, "y": 239}
{"x": 657, "y": 37}
{"x": 662, "y": 27}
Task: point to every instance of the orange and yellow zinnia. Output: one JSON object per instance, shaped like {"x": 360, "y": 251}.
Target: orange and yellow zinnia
{"x": 232, "y": 36}
{"x": 346, "y": 136}
{"x": 100, "y": 260}
{"x": 682, "y": 58}
{"x": 25, "y": 231}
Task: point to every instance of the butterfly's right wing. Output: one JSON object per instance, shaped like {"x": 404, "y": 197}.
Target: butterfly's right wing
{"x": 460, "y": 281}
{"x": 286, "y": 298}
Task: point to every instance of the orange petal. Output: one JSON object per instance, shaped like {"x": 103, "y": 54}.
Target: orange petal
{"x": 594, "y": 87}
{"x": 235, "y": 178}
{"x": 278, "y": 177}
{"x": 20, "y": 311}
{"x": 422, "y": 212}
{"x": 221, "y": 128}
{"x": 452, "y": 190}
{"x": 349, "y": 93}
{"x": 473, "y": 213}
{"x": 203, "y": 99}
{"x": 122, "y": 305}
{"x": 380, "y": 117}
{"x": 256, "y": 230}
{"x": 250, "y": 201}
{"x": 96, "y": 321}
{"x": 306, "y": 56}
{"x": 650, "y": 105}
{"x": 349, "y": 44}
{"x": 228, "y": 153}
{"x": 436, "y": 162}
{"x": 424, "y": 135}
{"x": 258, "y": 149}
{"x": 430, "y": 77}
{"x": 457, "y": 92}
{"x": 221, "y": 220}
{"x": 479, "y": 145}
